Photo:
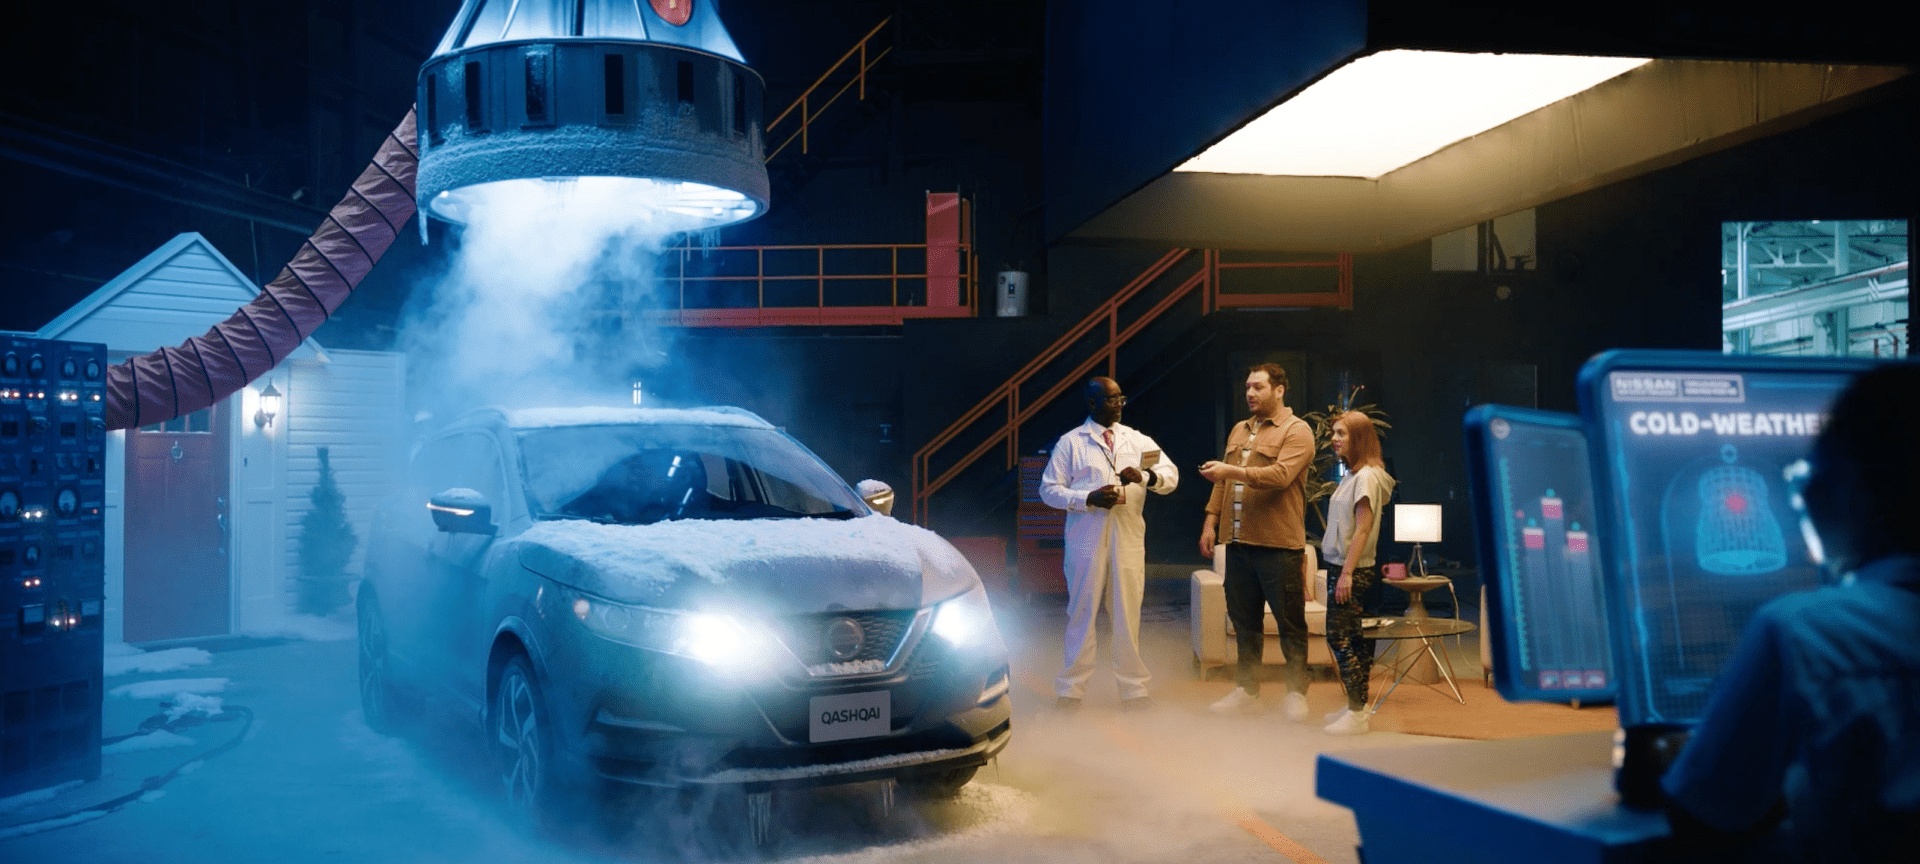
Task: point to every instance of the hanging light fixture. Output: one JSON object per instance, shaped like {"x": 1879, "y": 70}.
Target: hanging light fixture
{"x": 269, "y": 406}
{"x": 647, "y": 103}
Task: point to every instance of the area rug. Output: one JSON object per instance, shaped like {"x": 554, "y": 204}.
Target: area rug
{"x": 1418, "y": 709}
{"x": 1034, "y": 629}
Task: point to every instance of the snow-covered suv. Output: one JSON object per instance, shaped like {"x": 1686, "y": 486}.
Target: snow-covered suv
{"x": 674, "y": 598}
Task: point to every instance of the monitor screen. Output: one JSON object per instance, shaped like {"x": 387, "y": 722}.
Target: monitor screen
{"x": 1699, "y": 530}
{"x": 1814, "y": 287}
{"x": 1533, "y": 508}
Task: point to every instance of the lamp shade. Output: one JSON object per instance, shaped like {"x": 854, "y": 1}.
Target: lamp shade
{"x": 1416, "y": 523}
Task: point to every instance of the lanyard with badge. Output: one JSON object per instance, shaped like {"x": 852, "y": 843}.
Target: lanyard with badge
{"x": 1113, "y": 462}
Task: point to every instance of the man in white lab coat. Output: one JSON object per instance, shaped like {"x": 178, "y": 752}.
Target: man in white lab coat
{"x": 1099, "y": 474}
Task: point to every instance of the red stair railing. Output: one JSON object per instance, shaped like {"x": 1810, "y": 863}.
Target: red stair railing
{"x": 1008, "y": 394}
{"x": 948, "y": 278}
{"x": 1207, "y": 279}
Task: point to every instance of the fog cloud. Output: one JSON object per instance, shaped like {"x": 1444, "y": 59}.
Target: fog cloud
{"x": 528, "y": 312}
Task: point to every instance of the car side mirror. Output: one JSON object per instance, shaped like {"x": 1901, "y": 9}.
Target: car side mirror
{"x": 462, "y": 511}
{"x": 878, "y": 495}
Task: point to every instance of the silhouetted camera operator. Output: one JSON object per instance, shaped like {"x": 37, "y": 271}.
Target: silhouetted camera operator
{"x": 1810, "y": 746}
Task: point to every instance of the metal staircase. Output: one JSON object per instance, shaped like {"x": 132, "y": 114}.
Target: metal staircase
{"x": 798, "y": 132}
{"x": 996, "y": 420}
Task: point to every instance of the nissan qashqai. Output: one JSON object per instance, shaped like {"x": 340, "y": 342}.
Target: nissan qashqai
{"x": 673, "y": 598}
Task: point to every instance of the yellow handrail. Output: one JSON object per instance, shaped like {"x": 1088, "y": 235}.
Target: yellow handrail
{"x": 804, "y": 103}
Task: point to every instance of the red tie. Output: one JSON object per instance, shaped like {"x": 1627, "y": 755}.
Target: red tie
{"x": 1109, "y": 436}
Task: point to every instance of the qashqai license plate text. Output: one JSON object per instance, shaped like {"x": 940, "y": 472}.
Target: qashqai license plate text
{"x": 850, "y": 715}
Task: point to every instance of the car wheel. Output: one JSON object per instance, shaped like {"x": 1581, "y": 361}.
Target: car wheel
{"x": 521, "y": 738}
{"x": 942, "y": 784}
{"x": 382, "y": 704}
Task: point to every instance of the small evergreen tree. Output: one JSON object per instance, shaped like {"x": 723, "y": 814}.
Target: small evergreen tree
{"x": 327, "y": 541}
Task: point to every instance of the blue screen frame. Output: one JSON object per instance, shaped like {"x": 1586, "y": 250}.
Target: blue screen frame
{"x": 1548, "y": 626}
{"x": 1696, "y": 526}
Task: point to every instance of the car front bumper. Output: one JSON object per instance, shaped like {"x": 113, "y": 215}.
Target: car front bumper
{"x": 632, "y": 716}
{"x": 679, "y": 762}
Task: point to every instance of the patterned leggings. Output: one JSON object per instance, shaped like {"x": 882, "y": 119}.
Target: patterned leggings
{"x": 1352, "y": 652}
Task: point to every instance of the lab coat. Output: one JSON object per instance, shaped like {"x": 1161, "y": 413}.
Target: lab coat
{"x": 1105, "y": 548}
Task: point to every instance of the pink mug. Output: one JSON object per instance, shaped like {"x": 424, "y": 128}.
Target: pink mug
{"x": 1395, "y": 571}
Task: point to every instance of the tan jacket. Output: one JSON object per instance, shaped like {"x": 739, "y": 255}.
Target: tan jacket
{"x": 1273, "y": 504}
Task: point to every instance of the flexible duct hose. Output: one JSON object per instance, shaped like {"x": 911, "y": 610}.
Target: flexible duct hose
{"x": 203, "y": 370}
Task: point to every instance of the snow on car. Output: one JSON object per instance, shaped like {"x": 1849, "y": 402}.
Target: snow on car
{"x": 673, "y": 598}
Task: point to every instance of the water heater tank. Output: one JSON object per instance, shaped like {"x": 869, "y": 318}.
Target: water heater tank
{"x": 1011, "y": 292}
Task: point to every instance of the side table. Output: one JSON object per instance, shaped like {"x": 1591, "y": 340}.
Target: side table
{"x": 1415, "y": 636}
{"x": 1424, "y": 671}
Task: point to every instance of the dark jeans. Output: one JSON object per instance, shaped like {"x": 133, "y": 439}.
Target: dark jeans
{"x": 1352, "y": 650}
{"x": 1258, "y": 577}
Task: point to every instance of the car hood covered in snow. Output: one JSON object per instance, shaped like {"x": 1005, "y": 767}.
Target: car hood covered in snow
{"x": 775, "y": 566}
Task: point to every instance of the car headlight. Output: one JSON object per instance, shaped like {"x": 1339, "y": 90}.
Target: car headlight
{"x": 720, "y": 641}
{"x": 717, "y": 640}
{"x": 965, "y": 621}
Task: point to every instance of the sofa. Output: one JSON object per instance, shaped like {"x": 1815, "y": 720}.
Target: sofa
{"x": 1213, "y": 638}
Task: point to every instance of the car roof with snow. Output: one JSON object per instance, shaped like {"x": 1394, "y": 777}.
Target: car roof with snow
{"x": 529, "y": 419}
{"x": 547, "y": 418}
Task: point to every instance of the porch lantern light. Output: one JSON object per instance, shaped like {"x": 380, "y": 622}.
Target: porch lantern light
{"x": 269, "y": 406}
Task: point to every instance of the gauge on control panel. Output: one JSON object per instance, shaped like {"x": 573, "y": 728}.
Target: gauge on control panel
{"x": 66, "y": 503}
{"x": 93, "y": 370}
{"x": 36, "y": 367}
{"x": 9, "y": 504}
{"x": 69, "y": 369}
{"x": 31, "y": 557}
{"x": 10, "y": 366}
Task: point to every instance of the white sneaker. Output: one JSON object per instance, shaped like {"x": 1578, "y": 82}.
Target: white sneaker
{"x": 1237, "y": 701}
{"x": 1335, "y": 715}
{"x": 1295, "y": 705}
{"x": 1355, "y": 723}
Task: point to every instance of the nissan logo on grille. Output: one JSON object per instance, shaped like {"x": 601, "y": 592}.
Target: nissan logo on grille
{"x": 845, "y": 638}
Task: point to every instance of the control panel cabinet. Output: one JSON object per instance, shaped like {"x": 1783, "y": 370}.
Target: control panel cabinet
{"x": 52, "y": 545}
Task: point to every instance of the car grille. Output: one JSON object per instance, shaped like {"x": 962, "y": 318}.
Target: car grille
{"x": 806, "y": 635}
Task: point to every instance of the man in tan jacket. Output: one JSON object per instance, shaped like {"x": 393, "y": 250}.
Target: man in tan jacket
{"x": 1258, "y": 510}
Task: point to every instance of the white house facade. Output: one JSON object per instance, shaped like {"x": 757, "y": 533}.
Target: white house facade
{"x": 203, "y": 513}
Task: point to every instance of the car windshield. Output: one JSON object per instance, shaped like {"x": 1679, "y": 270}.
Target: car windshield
{"x": 638, "y": 475}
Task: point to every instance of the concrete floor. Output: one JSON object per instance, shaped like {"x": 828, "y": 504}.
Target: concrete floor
{"x": 311, "y": 783}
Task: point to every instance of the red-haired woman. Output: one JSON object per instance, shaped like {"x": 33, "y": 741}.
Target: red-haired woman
{"x": 1353, "y": 582}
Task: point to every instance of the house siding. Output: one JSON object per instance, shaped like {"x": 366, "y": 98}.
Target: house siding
{"x": 347, "y": 400}
{"x": 353, "y": 406}
{"x": 175, "y": 301}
